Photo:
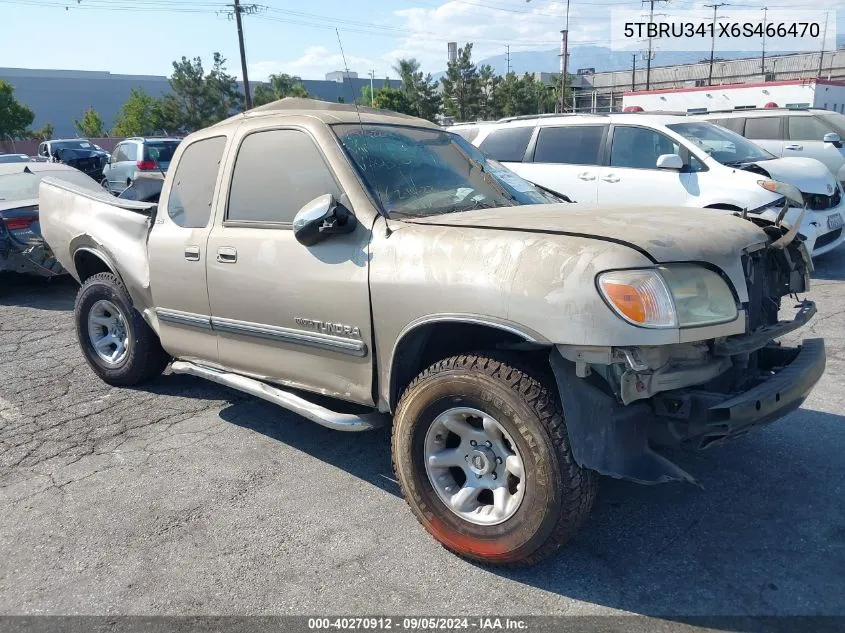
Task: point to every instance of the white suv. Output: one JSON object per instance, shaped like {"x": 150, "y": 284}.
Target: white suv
{"x": 811, "y": 133}
{"x": 649, "y": 160}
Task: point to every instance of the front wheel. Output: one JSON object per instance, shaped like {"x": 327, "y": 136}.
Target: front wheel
{"x": 481, "y": 452}
{"x": 116, "y": 341}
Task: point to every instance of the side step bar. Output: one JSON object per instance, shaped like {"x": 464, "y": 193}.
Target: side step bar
{"x": 286, "y": 399}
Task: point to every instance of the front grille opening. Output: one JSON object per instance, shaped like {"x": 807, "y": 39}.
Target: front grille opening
{"x": 821, "y": 202}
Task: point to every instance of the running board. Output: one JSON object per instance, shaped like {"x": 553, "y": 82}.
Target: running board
{"x": 286, "y": 399}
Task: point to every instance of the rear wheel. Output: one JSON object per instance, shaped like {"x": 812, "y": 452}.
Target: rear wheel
{"x": 116, "y": 341}
{"x": 481, "y": 452}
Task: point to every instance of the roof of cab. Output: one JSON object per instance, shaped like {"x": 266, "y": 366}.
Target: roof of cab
{"x": 327, "y": 112}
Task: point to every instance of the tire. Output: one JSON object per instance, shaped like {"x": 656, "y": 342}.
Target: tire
{"x": 557, "y": 494}
{"x": 143, "y": 357}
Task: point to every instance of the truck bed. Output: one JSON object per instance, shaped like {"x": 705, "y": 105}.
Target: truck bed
{"x": 73, "y": 218}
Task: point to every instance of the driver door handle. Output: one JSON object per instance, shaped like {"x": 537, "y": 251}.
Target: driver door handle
{"x": 227, "y": 255}
{"x": 586, "y": 175}
{"x": 795, "y": 146}
{"x": 610, "y": 178}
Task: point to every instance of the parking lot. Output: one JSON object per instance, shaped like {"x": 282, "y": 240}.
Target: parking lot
{"x": 186, "y": 498}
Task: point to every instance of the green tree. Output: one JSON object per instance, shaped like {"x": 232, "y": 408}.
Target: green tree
{"x": 278, "y": 87}
{"x": 386, "y": 98}
{"x": 44, "y": 133}
{"x": 420, "y": 90}
{"x": 136, "y": 116}
{"x": 91, "y": 124}
{"x": 15, "y": 117}
{"x": 189, "y": 92}
{"x": 223, "y": 97}
{"x": 462, "y": 87}
{"x": 488, "y": 83}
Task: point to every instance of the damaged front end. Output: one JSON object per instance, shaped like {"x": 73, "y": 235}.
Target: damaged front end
{"x": 623, "y": 404}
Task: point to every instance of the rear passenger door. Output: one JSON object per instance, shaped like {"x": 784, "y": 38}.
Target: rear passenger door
{"x": 768, "y": 133}
{"x": 177, "y": 248}
{"x": 567, "y": 159}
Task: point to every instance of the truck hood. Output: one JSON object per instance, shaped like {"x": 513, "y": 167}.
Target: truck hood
{"x": 663, "y": 234}
{"x": 808, "y": 174}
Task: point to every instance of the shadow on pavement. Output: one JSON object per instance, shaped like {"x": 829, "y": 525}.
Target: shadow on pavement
{"x": 830, "y": 266}
{"x": 57, "y": 293}
{"x": 753, "y": 540}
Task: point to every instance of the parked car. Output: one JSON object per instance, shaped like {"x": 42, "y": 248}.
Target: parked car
{"x": 15, "y": 158}
{"x": 134, "y": 156}
{"x": 647, "y": 159}
{"x": 145, "y": 188}
{"x": 354, "y": 266}
{"x": 22, "y": 249}
{"x": 78, "y": 152}
{"x": 811, "y": 133}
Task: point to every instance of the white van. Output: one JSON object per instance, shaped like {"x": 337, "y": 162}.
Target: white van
{"x": 811, "y": 133}
{"x": 642, "y": 159}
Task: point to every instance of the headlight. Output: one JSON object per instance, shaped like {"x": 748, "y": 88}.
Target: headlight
{"x": 681, "y": 295}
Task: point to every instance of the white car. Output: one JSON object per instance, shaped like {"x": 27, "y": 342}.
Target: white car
{"x": 810, "y": 133}
{"x": 647, "y": 160}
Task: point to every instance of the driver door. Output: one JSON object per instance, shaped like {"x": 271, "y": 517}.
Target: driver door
{"x": 282, "y": 311}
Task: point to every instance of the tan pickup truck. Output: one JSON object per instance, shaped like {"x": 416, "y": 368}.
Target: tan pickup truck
{"x": 361, "y": 266}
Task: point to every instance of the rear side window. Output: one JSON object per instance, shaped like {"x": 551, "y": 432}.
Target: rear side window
{"x": 191, "y": 193}
{"x": 807, "y": 128}
{"x": 765, "y": 128}
{"x": 277, "y": 172}
{"x": 130, "y": 152}
{"x": 734, "y": 124}
{"x": 507, "y": 144}
{"x": 571, "y": 145}
{"x": 467, "y": 133}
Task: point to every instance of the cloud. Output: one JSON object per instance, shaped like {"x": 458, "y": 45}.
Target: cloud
{"x": 314, "y": 63}
{"x": 525, "y": 28}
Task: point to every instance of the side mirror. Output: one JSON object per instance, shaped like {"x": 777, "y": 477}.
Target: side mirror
{"x": 831, "y": 137}
{"x": 320, "y": 217}
{"x": 670, "y": 161}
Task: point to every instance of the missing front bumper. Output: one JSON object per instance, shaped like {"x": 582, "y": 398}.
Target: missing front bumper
{"x": 619, "y": 441}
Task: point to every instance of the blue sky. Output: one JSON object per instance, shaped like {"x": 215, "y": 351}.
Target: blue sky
{"x": 294, "y": 36}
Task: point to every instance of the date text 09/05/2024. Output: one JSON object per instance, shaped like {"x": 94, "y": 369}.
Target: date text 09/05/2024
{"x": 417, "y": 623}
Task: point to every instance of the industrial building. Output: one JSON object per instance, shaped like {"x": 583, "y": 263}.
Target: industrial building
{"x": 61, "y": 96}
{"x": 603, "y": 92}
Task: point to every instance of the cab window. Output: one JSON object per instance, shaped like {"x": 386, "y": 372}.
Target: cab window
{"x": 507, "y": 145}
{"x": 192, "y": 191}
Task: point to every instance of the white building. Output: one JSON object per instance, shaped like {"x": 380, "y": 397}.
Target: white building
{"x": 790, "y": 93}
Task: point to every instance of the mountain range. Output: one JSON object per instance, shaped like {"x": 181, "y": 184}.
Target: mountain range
{"x": 603, "y": 59}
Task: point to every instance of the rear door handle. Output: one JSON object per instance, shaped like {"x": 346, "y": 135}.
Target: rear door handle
{"x": 610, "y": 178}
{"x": 192, "y": 253}
{"x": 227, "y": 255}
{"x": 795, "y": 146}
{"x": 585, "y": 175}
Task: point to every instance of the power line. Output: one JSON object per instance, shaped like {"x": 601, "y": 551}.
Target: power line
{"x": 650, "y": 54}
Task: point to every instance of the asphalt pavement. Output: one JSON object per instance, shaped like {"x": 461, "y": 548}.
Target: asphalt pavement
{"x": 183, "y": 497}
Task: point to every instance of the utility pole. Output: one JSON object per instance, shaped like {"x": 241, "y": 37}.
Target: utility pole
{"x": 763, "y": 58}
{"x": 508, "y": 46}
{"x": 633, "y": 72}
{"x": 238, "y": 8}
{"x": 824, "y": 37}
{"x": 372, "y": 89}
{"x": 713, "y": 41}
{"x": 650, "y": 55}
{"x": 564, "y": 60}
